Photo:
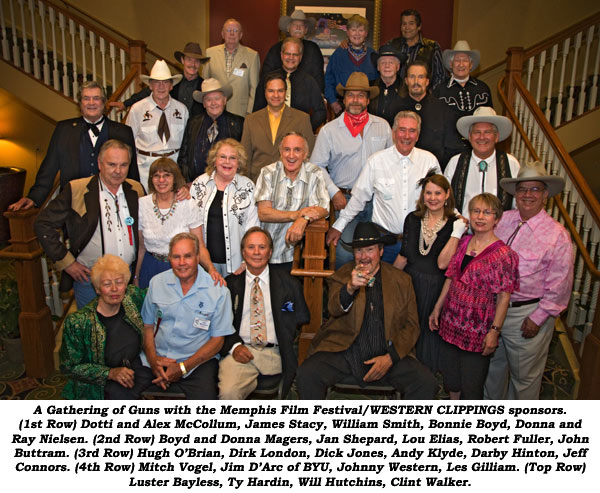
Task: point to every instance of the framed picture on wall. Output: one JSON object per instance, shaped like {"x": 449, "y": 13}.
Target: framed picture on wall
{"x": 331, "y": 17}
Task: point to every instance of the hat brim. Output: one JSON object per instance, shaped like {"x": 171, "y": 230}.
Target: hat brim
{"x": 286, "y": 20}
{"x": 176, "y": 79}
{"x": 554, "y": 184}
{"x": 226, "y": 90}
{"x": 372, "y": 90}
{"x": 375, "y": 57}
{"x": 503, "y": 124}
{"x": 384, "y": 240}
{"x": 180, "y": 54}
{"x": 448, "y": 54}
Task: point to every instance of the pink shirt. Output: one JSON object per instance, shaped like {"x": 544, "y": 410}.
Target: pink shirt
{"x": 545, "y": 262}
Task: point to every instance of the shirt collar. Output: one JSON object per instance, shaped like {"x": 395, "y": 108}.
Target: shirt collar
{"x": 104, "y": 188}
{"x": 536, "y": 220}
{"x": 302, "y": 174}
{"x": 401, "y": 156}
{"x": 263, "y": 276}
{"x": 489, "y": 159}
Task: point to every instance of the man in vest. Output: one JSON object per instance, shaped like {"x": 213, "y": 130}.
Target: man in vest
{"x": 481, "y": 169}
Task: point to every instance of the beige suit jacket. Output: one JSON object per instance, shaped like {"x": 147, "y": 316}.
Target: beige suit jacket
{"x": 243, "y": 78}
{"x": 258, "y": 143}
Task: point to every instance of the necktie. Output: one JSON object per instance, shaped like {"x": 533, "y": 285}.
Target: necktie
{"x": 163, "y": 126}
{"x": 213, "y": 131}
{"x": 483, "y": 166}
{"x": 94, "y": 126}
{"x": 513, "y": 235}
{"x": 288, "y": 91}
{"x": 258, "y": 322}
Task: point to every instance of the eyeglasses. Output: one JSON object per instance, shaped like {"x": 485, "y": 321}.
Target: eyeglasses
{"x": 534, "y": 190}
{"x": 225, "y": 158}
{"x": 295, "y": 55}
{"x": 161, "y": 176}
{"x": 232, "y": 31}
{"x": 486, "y": 213}
{"x": 109, "y": 284}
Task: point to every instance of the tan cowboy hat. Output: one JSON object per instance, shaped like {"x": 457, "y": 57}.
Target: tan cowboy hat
{"x": 192, "y": 50}
{"x": 485, "y": 114}
{"x": 297, "y": 15}
{"x": 358, "y": 82}
{"x": 212, "y": 85}
{"x": 534, "y": 171}
{"x": 461, "y": 47}
{"x": 160, "y": 71}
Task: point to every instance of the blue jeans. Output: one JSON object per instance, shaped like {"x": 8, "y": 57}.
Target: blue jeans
{"x": 390, "y": 252}
{"x": 344, "y": 254}
{"x": 84, "y": 293}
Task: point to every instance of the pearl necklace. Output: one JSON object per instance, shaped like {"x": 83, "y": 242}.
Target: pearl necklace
{"x": 428, "y": 235}
{"x": 160, "y": 215}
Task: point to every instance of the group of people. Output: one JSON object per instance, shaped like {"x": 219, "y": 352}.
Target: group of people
{"x": 181, "y": 225}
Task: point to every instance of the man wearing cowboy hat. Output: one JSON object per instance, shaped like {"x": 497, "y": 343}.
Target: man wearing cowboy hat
{"x": 390, "y": 178}
{"x": 203, "y": 130}
{"x": 386, "y": 104}
{"x": 463, "y": 93}
{"x": 191, "y": 58}
{"x": 235, "y": 64}
{"x": 438, "y": 131}
{"x": 372, "y": 329}
{"x": 302, "y": 91}
{"x": 157, "y": 121}
{"x": 414, "y": 46}
{"x": 344, "y": 145}
{"x": 545, "y": 279}
{"x": 298, "y": 25}
{"x": 480, "y": 170}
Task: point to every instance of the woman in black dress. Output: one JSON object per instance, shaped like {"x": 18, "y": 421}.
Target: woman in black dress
{"x": 430, "y": 238}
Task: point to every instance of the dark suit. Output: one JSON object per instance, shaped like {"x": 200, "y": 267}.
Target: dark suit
{"x": 257, "y": 140}
{"x": 312, "y": 62}
{"x": 77, "y": 209}
{"x": 284, "y": 288}
{"x": 63, "y": 155}
{"x": 306, "y": 96}
{"x": 187, "y": 152}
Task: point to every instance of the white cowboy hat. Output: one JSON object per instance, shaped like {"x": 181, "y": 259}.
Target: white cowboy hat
{"x": 212, "y": 85}
{"x": 534, "y": 172}
{"x": 461, "y": 47}
{"x": 485, "y": 114}
{"x": 160, "y": 71}
{"x": 297, "y": 15}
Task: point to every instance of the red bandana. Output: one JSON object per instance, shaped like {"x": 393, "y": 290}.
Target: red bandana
{"x": 356, "y": 123}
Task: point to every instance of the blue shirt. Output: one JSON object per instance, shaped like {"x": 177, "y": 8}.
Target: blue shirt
{"x": 188, "y": 321}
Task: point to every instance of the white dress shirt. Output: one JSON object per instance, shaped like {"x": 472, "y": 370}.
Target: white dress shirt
{"x": 391, "y": 179}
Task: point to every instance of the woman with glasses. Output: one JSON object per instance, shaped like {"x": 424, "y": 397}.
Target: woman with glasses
{"x": 430, "y": 237}
{"x": 225, "y": 200}
{"x": 102, "y": 341}
{"x": 472, "y": 305}
{"x": 161, "y": 217}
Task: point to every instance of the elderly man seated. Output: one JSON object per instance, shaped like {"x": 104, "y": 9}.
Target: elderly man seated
{"x": 373, "y": 327}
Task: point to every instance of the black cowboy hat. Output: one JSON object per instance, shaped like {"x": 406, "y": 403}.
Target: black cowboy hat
{"x": 368, "y": 233}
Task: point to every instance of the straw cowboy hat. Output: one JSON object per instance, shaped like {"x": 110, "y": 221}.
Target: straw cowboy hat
{"x": 461, "y": 47}
{"x": 485, "y": 114}
{"x": 212, "y": 85}
{"x": 192, "y": 50}
{"x": 534, "y": 171}
{"x": 297, "y": 15}
{"x": 160, "y": 71}
{"x": 367, "y": 234}
{"x": 358, "y": 82}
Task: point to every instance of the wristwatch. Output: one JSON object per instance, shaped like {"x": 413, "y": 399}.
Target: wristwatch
{"x": 496, "y": 328}
{"x": 307, "y": 218}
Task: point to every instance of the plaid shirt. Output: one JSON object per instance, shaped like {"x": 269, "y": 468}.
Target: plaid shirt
{"x": 229, "y": 61}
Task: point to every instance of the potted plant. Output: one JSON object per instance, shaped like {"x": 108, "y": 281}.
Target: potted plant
{"x": 10, "y": 308}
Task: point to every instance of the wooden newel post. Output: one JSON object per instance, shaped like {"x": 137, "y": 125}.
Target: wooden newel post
{"x": 589, "y": 372}
{"x": 314, "y": 255}
{"x": 514, "y": 67}
{"x": 35, "y": 319}
{"x": 137, "y": 60}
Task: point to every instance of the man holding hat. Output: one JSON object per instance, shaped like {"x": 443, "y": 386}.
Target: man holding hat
{"x": 344, "y": 145}
{"x": 191, "y": 58}
{"x": 372, "y": 329}
{"x": 204, "y": 130}
{"x": 298, "y": 25}
{"x": 546, "y": 276}
{"x": 386, "y": 105}
{"x": 463, "y": 93}
{"x": 157, "y": 121}
{"x": 480, "y": 170}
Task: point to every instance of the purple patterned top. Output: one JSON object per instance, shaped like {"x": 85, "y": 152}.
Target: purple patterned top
{"x": 470, "y": 306}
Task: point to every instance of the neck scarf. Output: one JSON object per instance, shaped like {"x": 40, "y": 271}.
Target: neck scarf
{"x": 356, "y": 123}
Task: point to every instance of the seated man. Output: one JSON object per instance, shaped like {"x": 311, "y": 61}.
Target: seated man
{"x": 186, "y": 318}
{"x": 373, "y": 327}
{"x": 290, "y": 191}
{"x": 263, "y": 342}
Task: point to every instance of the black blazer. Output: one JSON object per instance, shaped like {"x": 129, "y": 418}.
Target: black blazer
{"x": 63, "y": 156}
{"x": 306, "y": 97}
{"x": 187, "y": 152}
{"x": 284, "y": 288}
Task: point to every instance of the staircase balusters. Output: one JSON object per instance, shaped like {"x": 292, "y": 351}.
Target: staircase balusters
{"x": 102, "y": 48}
{"x": 73, "y": 58}
{"x": 15, "y": 48}
{"x": 93, "y": 51}
{"x": 538, "y": 93}
{"x": 35, "y": 60}
{"x": 82, "y": 38}
{"x": 571, "y": 99}
{"x": 588, "y": 46}
{"x": 561, "y": 84}
{"x": 113, "y": 64}
{"x": 55, "y": 72}
{"x": 63, "y": 29}
{"x": 5, "y": 44}
{"x": 26, "y": 55}
{"x": 553, "y": 58}
{"x": 594, "y": 88}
